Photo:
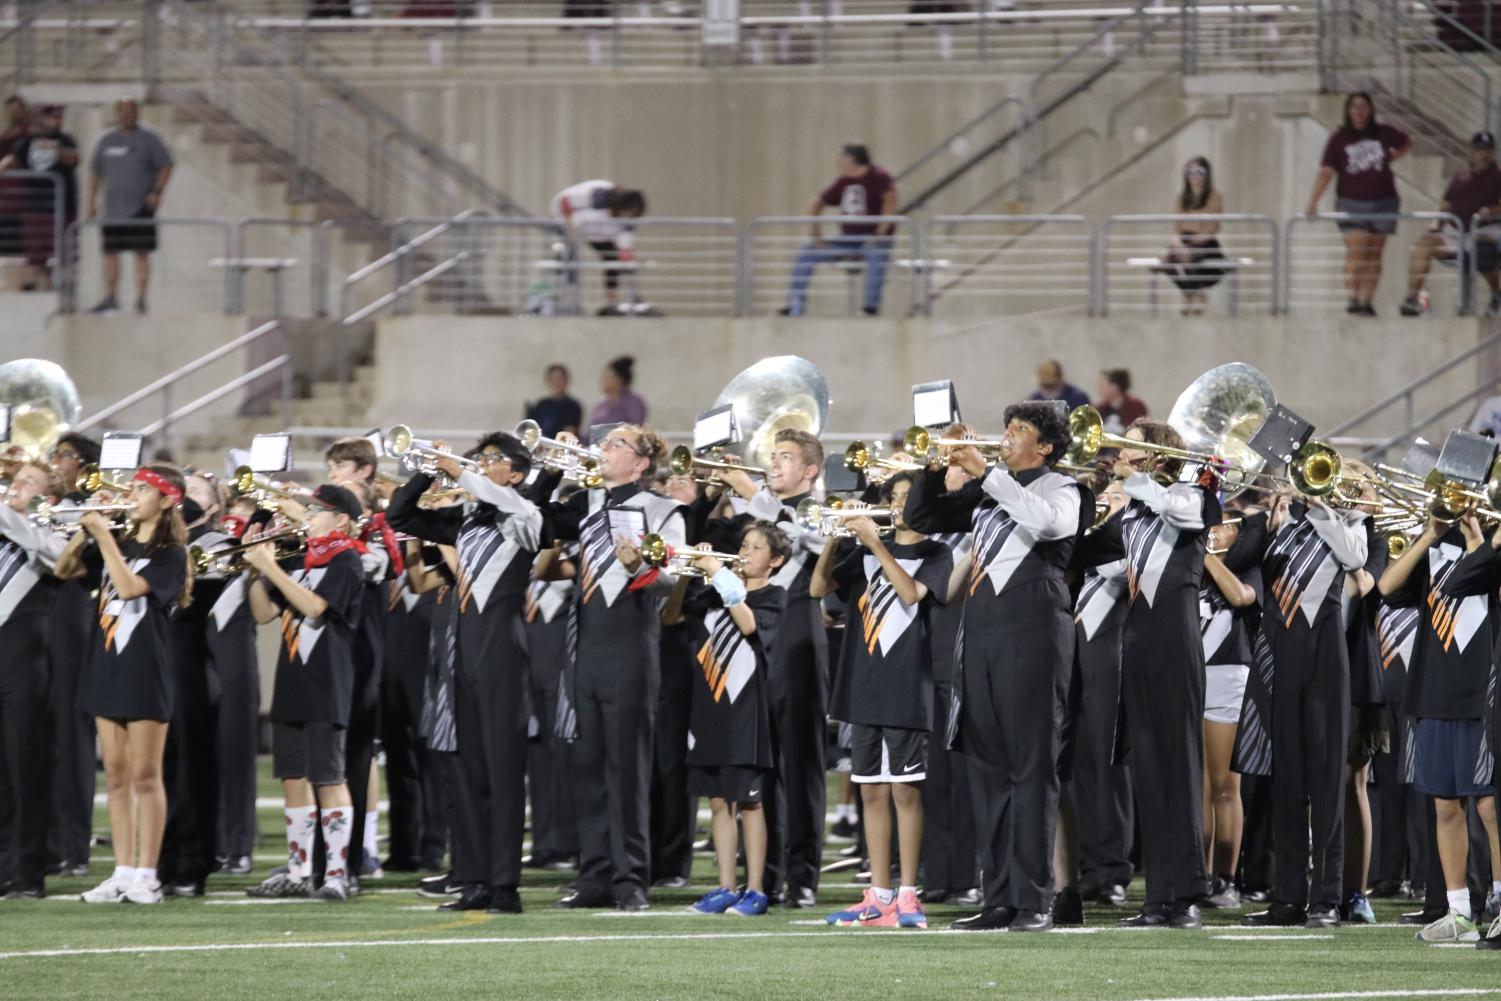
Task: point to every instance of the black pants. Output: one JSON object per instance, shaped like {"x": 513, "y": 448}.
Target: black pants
{"x": 672, "y": 818}
{"x": 490, "y": 817}
{"x": 25, "y": 765}
{"x": 1310, "y": 736}
{"x": 1255, "y": 871}
{"x": 1102, "y": 790}
{"x": 796, "y": 805}
{"x": 948, "y": 844}
{"x": 1389, "y": 818}
{"x": 401, "y": 712}
{"x": 238, "y": 737}
{"x": 190, "y": 774}
{"x": 70, "y": 629}
{"x": 554, "y": 829}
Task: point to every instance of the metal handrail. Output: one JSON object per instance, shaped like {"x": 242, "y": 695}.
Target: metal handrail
{"x": 1102, "y": 263}
{"x": 426, "y": 236}
{"x": 1024, "y": 172}
{"x": 1032, "y": 221}
{"x": 166, "y": 381}
{"x": 1405, "y": 393}
{"x": 1431, "y": 418}
{"x": 239, "y": 382}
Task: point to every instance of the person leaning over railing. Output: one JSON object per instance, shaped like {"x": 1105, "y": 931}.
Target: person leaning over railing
{"x": 1473, "y": 192}
{"x": 861, "y": 189}
{"x": 1361, "y": 153}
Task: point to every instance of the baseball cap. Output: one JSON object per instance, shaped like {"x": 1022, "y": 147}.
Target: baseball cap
{"x": 1483, "y": 140}
{"x": 338, "y": 499}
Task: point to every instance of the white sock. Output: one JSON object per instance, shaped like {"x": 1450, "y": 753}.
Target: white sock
{"x": 1495, "y": 886}
{"x": 372, "y": 819}
{"x": 336, "y": 831}
{"x": 302, "y": 822}
{"x": 146, "y": 876}
{"x": 1459, "y": 903}
{"x": 906, "y": 889}
{"x": 843, "y": 810}
{"x": 884, "y": 894}
{"x": 124, "y": 875}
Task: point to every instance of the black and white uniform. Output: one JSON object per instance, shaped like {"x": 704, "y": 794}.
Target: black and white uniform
{"x": 1304, "y": 567}
{"x": 554, "y": 830}
{"x": 607, "y": 703}
{"x": 1101, "y": 782}
{"x": 497, "y": 539}
{"x": 230, "y": 635}
{"x": 1016, "y": 648}
{"x": 948, "y": 843}
{"x": 130, "y": 672}
{"x": 1226, "y": 632}
{"x": 27, "y": 592}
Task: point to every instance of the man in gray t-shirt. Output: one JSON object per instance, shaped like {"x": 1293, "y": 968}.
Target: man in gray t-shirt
{"x": 133, "y": 166}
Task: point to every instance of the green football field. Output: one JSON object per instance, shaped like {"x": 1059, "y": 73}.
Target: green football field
{"x": 391, "y": 943}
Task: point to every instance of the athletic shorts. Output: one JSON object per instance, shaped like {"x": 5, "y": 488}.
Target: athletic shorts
{"x": 731, "y": 783}
{"x": 312, "y": 751}
{"x": 888, "y": 754}
{"x": 1380, "y": 206}
{"x": 1451, "y": 759}
{"x": 1224, "y": 691}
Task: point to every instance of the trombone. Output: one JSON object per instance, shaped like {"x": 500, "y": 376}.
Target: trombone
{"x": 655, "y": 552}
{"x": 682, "y": 462}
{"x": 64, "y": 518}
{"x": 420, "y": 454}
{"x": 578, "y": 462}
{"x": 919, "y": 441}
{"x": 91, "y": 479}
{"x": 827, "y": 519}
{"x": 230, "y": 560}
{"x": 264, "y": 492}
{"x": 876, "y": 467}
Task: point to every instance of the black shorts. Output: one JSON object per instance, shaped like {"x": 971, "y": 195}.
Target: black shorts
{"x": 888, "y": 754}
{"x": 731, "y": 783}
{"x": 1451, "y": 759}
{"x": 312, "y": 751}
{"x": 135, "y": 237}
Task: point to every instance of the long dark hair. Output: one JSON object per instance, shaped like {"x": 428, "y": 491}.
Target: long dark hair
{"x": 1370, "y": 125}
{"x": 171, "y": 530}
{"x": 1186, "y": 201}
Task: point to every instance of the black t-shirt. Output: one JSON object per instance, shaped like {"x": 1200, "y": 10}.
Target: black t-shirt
{"x": 1451, "y": 656}
{"x": 730, "y": 718}
{"x": 1225, "y": 629}
{"x": 885, "y": 675}
{"x": 39, "y": 153}
{"x": 130, "y": 667}
{"x": 553, "y": 414}
{"x": 315, "y": 668}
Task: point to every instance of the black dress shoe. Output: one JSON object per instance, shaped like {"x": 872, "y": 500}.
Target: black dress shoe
{"x": 1185, "y": 915}
{"x": 1322, "y": 917}
{"x": 582, "y": 900}
{"x": 1276, "y": 916}
{"x": 635, "y": 900}
{"x": 672, "y": 883}
{"x": 29, "y": 893}
{"x": 1420, "y": 917}
{"x": 801, "y": 897}
{"x": 1068, "y": 907}
{"x": 1150, "y": 916}
{"x": 504, "y": 900}
{"x": 990, "y": 919}
{"x": 1032, "y": 921}
{"x": 1112, "y": 895}
{"x": 936, "y": 896}
{"x": 474, "y": 898}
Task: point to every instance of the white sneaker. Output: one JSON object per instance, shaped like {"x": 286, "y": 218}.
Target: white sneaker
{"x": 107, "y": 892}
{"x": 335, "y": 888}
{"x": 1451, "y": 927}
{"x": 143, "y": 892}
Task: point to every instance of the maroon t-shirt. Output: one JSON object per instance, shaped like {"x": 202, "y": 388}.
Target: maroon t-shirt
{"x": 859, "y": 196}
{"x": 1470, "y": 192}
{"x": 1363, "y": 162}
{"x": 1118, "y": 418}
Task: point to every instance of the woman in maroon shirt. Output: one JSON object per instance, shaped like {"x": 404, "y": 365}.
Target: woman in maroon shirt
{"x": 1361, "y": 152}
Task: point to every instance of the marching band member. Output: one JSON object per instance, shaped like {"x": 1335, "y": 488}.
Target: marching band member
{"x": 496, "y": 540}
{"x": 128, "y": 683}
{"x": 27, "y": 598}
{"x": 608, "y": 699}
{"x": 319, "y": 605}
{"x": 554, "y": 829}
{"x": 799, "y": 672}
{"x": 1016, "y": 644}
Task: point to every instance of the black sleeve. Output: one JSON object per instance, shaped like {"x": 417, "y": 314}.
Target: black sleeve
{"x": 440, "y": 525}
{"x": 767, "y": 604}
{"x": 1475, "y": 573}
{"x": 540, "y": 490}
{"x": 1249, "y": 544}
{"x": 931, "y": 510}
{"x": 165, "y": 574}
{"x": 343, "y": 587}
{"x": 696, "y": 517}
{"x": 93, "y": 564}
{"x": 849, "y": 568}
{"x": 700, "y": 598}
{"x": 937, "y": 567}
{"x": 561, "y": 519}
{"x": 1377, "y": 556}
{"x": 1410, "y": 594}
{"x": 1103, "y": 545}
{"x": 723, "y": 534}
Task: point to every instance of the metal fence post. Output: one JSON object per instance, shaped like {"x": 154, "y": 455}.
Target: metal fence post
{"x": 980, "y": 34}
{"x": 151, "y": 40}
{"x": 825, "y": 34}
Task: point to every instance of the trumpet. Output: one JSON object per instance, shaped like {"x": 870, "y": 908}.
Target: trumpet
{"x": 263, "y": 491}
{"x": 919, "y": 441}
{"x": 655, "y": 552}
{"x": 230, "y": 560}
{"x": 64, "y": 518}
{"x": 682, "y": 462}
{"x": 876, "y": 467}
{"x": 827, "y": 519}
{"x": 91, "y": 479}
{"x": 420, "y": 454}
{"x": 576, "y": 462}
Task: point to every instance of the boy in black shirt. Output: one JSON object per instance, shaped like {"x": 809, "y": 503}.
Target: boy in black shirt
{"x": 319, "y": 607}
{"x": 884, "y": 689}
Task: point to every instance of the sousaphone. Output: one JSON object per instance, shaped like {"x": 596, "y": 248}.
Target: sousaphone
{"x": 783, "y": 391}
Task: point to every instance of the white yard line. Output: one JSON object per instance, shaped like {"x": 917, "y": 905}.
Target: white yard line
{"x": 1338, "y": 995}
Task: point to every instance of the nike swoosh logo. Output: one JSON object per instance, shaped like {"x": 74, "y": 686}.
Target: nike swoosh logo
{"x": 912, "y": 768}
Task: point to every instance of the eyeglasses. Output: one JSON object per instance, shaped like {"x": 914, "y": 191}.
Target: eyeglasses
{"x": 622, "y": 442}
{"x": 58, "y": 453}
{"x": 491, "y": 458}
{"x": 1194, "y": 172}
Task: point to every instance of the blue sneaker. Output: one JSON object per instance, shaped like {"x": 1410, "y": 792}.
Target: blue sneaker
{"x": 870, "y": 909}
{"x": 717, "y": 901}
{"x": 750, "y": 905}
{"x": 1358, "y": 910}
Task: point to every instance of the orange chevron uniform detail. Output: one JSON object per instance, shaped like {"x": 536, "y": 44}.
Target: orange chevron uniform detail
{"x": 290, "y": 635}
{"x": 872, "y": 626}
{"x": 1444, "y": 616}
{"x": 716, "y": 675}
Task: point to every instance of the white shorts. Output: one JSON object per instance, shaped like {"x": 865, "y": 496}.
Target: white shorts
{"x": 1224, "y": 690}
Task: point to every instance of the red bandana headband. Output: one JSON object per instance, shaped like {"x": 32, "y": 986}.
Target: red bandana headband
{"x": 163, "y": 486}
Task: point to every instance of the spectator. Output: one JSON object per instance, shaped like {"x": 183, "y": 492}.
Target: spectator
{"x": 1361, "y": 153}
{"x": 1051, "y": 386}
{"x": 557, "y": 411}
{"x": 1115, "y": 403}
{"x": 594, "y": 212}
{"x": 49, "y": 151}
{"x": 17, "y": 125}
{"x": 861, "y": 189}
{"x": 621, "y": 405}
{"x": 1487, "y": 419}
{"x": 1194, "y": 241}
{"x": 133, "y": 166}
{"x": 1473, "y": 192}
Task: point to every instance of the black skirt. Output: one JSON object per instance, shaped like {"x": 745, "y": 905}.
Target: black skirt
{"x": 1197, "y": 272}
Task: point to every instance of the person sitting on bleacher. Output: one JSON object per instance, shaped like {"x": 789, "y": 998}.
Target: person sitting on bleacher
{"x": 862, "y": 189}
{"x": 1473, "y": 193}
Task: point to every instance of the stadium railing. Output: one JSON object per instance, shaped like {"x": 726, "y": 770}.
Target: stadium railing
{"x": 1137, "y": 262}
{"x": 32, "y": 216}
{"x": 1314, "y": 259}
{"x": 772, "y": 245}
{"x": 184, "y": 255}
{"x": 1006, "y": 265}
